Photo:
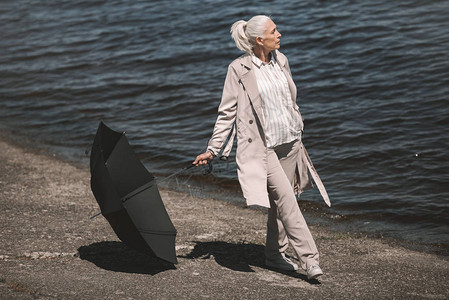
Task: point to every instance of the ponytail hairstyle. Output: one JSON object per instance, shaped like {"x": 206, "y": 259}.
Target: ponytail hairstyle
{"x": 245, "y": 33}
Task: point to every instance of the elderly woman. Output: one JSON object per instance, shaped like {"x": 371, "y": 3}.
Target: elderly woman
{"x": 259, "y": 104}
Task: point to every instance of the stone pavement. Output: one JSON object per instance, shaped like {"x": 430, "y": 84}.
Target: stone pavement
{"x": 51, "y": 250}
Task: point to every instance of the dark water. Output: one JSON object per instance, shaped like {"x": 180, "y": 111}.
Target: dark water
{"x": 373, "y": 80}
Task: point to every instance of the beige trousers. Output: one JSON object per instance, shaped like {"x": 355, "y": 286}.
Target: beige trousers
{"x": 285, "y": 220}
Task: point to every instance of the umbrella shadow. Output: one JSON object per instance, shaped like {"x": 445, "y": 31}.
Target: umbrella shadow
{"x": 239, "y": 257}
{"x": 118, "y": 257}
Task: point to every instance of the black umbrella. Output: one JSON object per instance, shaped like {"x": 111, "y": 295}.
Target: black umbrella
{"x": 128, "y": 196}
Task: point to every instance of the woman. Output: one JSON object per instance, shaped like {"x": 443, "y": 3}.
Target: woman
{"x": 259, "y": 104}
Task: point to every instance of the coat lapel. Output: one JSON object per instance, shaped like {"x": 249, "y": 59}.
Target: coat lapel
{"x": 248, "y": 79}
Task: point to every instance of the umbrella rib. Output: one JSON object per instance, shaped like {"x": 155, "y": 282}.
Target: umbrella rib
{"x": 139, "y": 190}
{"x": 157, "y": 232}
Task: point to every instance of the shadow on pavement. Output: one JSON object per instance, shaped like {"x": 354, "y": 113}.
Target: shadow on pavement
{"x": 238, "y": 257}
{"x": 118, "y": 257}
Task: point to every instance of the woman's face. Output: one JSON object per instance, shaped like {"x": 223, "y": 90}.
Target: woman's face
{"x": 272, "y": 37}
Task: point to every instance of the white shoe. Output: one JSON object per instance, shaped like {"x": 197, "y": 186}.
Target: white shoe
{"x": 313, "y": 272}
{"x": 281, "y": 262}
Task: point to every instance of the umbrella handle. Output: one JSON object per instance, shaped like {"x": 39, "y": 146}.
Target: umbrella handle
{"x": 208, "y": 171}
{"x": 187, "y": 168}
{"x": 94, "y": 216}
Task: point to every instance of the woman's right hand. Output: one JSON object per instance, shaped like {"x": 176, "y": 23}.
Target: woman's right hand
{"x": 203, "y": 159}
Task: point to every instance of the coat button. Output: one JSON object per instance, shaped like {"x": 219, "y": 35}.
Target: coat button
{"x": 250, "y": 121}
{"x": 250, "y": 140}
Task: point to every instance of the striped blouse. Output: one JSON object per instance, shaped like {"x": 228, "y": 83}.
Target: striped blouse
{"x": 282, "y": 122}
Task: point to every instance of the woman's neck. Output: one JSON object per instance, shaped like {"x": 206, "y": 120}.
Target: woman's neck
{"x": 262, "y": 54}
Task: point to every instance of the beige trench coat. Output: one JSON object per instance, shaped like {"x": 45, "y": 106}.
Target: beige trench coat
{"x": 240, "y": 112}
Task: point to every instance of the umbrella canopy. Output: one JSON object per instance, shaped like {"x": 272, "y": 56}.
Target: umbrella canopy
{"x": 128, "y": 196}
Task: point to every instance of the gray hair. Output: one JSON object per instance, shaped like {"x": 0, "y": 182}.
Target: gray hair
{"x": 245, "y": 33}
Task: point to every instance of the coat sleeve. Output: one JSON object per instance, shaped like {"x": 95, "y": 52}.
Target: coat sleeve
{"x": 226, "y": 112}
